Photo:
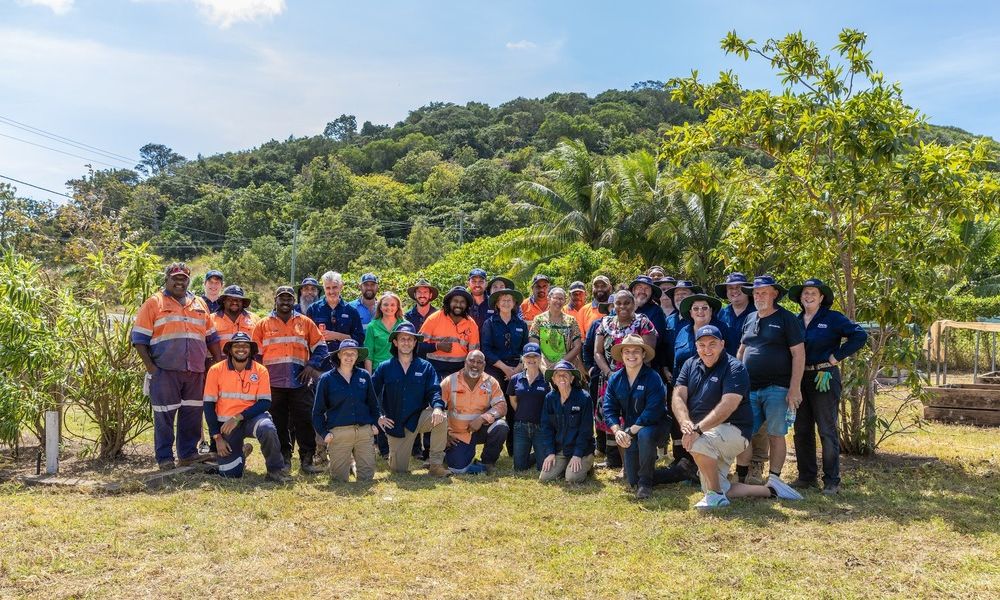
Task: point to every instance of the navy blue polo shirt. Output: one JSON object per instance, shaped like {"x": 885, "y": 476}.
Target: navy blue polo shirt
{"x": 654, "y": 313}
{"x": 706, "y": 386}
{"x": 530, "y": 396}
{"x": 767, "y": 341}
{"x": 567, "y": 429}
{"x": 340, "y": 402}
{"x": 824, "y": 334}
{"x": 503, "y": 341}
{"x": 213, "y": 306}
{"x": 588, "y": 346}
{"x": 735, "y": 324}
{"x": 414, "y": 316}
{"x": 403, "y": 396}
{"x": 480, "y": 311}
{"x": 343, "y": 318}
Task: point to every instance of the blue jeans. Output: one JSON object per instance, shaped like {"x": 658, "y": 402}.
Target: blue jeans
{"x": 640, "y": 457}
{"x": 819, "y": 410}
{"x": 769, "y": 406}
{"x": 526, "y": 439}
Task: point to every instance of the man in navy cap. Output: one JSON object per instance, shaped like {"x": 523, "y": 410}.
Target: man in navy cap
{"x": 479, "y": 309}
{"x": 307, "y": 293}
{"x": 213, "y": 289}
{"x": 739, "y": 307}
{"x": 711, "y": 403}
{"x": 366, "y": 302}
{"x": 773, "y": 350}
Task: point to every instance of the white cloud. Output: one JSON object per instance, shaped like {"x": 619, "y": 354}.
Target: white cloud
{"x": 225, "y": 13}
{"x": 59, "y": 7}
{"x": 521, "y": 45}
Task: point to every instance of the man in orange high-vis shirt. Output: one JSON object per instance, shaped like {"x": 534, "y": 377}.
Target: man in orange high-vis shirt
{"x": 293, "y": 350}
{"x": 538, "y": 301}
{"x": 237, "y": 396}
{"x": 476, "y": 409}
{"x": 234, "y": 316}
{"x": 173, "y": 334}
{"x": 600, "y": 289}
{"x": 450, "y": 334}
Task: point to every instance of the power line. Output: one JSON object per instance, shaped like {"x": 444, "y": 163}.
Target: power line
{"x": 61, "y": 151}
{"x": 37, "y": 187}
{"x": 65, "y": 140}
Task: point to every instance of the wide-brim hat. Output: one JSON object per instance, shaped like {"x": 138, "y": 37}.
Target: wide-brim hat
{"x": 235, "y": 291}
{"x": 349, "y": 344}
{"x": 241, "y": 337}
{"x": 656, "y": 291}
{"x": 307, "y": 281}
{"x": 685, "y": 307}
{"x": 795, "y": 292}
{"x": 457, "y": 291}
{"x": 732, "y": 279}
{"x": 684, "y": 284}
{"x": 495, "y": 297}
{"x": 564, "y": 365}
{"x": 632, "y": 340}
{"x": 765, "y": 281}
{"x": 407, "y": 328}
{"x": 665, "y": 279}
{"x": 508, "y": 284}
{"x": 410, "y": 291}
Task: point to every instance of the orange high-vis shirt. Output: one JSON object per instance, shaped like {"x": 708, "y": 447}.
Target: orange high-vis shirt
{"x": 464, "y": 336}
{"x": 235, "y": 391}
{"x": 586, "y": 316}
{"x": 178, "y": 333}
{"x": 530, "y": 310}
{"x": 465, "y": 405}
{"x": 286, "y": 348}
{"x": 227, "y": 328}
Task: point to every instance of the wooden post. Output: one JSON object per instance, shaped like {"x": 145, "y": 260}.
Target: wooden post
{"x": 944, "y": 340}
{"x": 975, "y": 361}
{"x": 52, "y": 442}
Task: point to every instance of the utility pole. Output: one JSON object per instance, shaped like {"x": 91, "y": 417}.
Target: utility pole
{"x": 461, "y": 227}
{"x": 295, "y": 247}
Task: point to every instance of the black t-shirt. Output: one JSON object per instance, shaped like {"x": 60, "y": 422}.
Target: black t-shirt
{"x": 767, "y": 340}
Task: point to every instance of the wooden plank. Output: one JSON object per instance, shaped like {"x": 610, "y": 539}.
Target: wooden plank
{"x": 57, "y": 481}
{"x": 963, "y": 416}
{"x": 963, "y": 398}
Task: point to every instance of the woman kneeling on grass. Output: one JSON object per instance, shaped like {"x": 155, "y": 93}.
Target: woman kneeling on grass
{"x": 345, "y": 413}
{"x": 567, "y": 432}
{"x": 526, "y": 393}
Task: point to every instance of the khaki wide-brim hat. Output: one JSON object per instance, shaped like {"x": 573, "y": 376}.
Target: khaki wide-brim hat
{"x": 632, "y": 340}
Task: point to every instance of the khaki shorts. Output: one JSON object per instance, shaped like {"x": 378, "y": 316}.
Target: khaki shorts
{"x": 723, "y": 443}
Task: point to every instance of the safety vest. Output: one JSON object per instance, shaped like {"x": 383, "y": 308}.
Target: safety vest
{"x": 227, "y": 327}
{"x": 177, "y": 332}
{"x": 235, "y": 391}
{"x": 465, "y": 405}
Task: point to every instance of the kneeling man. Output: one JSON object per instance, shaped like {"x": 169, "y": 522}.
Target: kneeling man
{"x": 476, "y": 408}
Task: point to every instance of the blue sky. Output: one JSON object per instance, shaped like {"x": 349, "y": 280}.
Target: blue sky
{"x": 207, "y": 76}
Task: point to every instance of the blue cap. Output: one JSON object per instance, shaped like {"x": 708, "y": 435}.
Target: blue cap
{"x": 214, "y": 273}
{"x": 477, "y": 273}
{"x": 531, "y": 348}
{"x": 540, "y": 277}
{"x": 369, "y": 278}
{"x": 711, "y": 330}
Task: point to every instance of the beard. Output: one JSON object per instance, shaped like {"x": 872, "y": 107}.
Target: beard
{"x": 602, "y": 296}
{"x": 473, "y": 373}
{"x": 368, "y": 295}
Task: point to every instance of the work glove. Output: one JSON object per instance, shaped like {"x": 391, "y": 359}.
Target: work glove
{"x": 823, "y": 381}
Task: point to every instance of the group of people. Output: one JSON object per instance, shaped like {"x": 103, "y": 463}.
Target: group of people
{"x": 536, "y": 375}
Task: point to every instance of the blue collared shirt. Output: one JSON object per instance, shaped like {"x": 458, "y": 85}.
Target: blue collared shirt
{"x": 567, "y": 429}
{"x": 340, "y": 402}
{"x": 643, "y": 402}
{"x": 364, "y": 314}
{"x": 705, "y": 388}
{"x": 503, "y": 341}
{"x": 826, "y": 331}
{"x": 214, "y": 306}
{"x": 342, "y": 318}
{"x": 403, "y": 396}
{"x": 735, "y": 324}
{"x": 588, "y": 346}
{"x": 684, "y": 343}
{"x": 530, "y": 396}
{"x": 480, "y": 312}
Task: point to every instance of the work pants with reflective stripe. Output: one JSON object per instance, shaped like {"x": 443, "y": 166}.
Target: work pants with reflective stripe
{"x": 176, "y": 396}
{"x": 262, "y": 428}
{"x": 492, "y": 437}
{"x": 291, "y": 410}
{"x": 399, "y": 447}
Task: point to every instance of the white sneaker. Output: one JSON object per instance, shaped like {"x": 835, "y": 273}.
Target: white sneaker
{"x": 784, "y": 491}
{"x": 712, "y": 500}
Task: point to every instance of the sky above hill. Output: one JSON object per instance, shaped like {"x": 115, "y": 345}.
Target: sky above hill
{"x": 207, "y": 76}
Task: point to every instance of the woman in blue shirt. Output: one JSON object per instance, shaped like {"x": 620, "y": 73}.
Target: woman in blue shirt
{"x": 567, "y": 426}
{"x": 501, "y": 338}
{"x": 345, "y": 413}
{"x": 526, "y": 394}
{"x": 830, "y": 337}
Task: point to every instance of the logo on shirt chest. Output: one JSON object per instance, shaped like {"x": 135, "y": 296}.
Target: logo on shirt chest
{"x": 713, "y": 379}
{"x": 773, "y": 325}
{"x": 640, "y": 387}
{"x": 362, "y": 380}
{"x": 419, "y": 373}
{"x": 821, "y": 325}
{"x": 574, "y": 409}
{"x": 254, "y": 377}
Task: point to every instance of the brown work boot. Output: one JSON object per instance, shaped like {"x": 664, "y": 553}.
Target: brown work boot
{"x": 247, "y": 450}
{"x": 756, "y": 474}
{"x": 438, "y": 471}
{"x": 190, "y": 460}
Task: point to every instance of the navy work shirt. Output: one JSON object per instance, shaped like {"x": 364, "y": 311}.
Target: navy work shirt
{"x": 480, "y": 312}
{"x": 567, "y": 427}
{"x": 340, "y": 402}
{"x": 414, "y": 316}
{"x": 214, "y": 306}
{"x": 403, "y": 396}
{"x": 706, "y": 386}
{"x": 735, "y": 324}
{"x": 503, "y": 341}
{"x": 767, "y": 341}
{"x": 824, "y": 334}
{"x": 640, "y": 403}
{"x": 342, "y": 318}
{"x": 588, "y": 347}
{"x": 684, "y": 347}
{"x": 655, "y": 314}
{"x": 530, "y": 396}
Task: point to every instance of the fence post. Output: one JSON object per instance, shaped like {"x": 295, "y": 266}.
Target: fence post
{"x": 52, "y": 442}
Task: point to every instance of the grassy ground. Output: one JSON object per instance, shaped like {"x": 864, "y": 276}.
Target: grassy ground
{"x": 921, "y": 520}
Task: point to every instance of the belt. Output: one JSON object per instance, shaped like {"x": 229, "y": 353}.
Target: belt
{"x": 819, "y": 366}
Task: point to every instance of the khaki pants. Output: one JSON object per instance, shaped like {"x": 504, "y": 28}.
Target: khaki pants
{"x": 560, "y": 467}
{"x": 400, "y": 447}
{"x": 352, "y": 441}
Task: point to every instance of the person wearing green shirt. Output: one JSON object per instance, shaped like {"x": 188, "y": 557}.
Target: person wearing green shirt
{"x": 388, "y": 314}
